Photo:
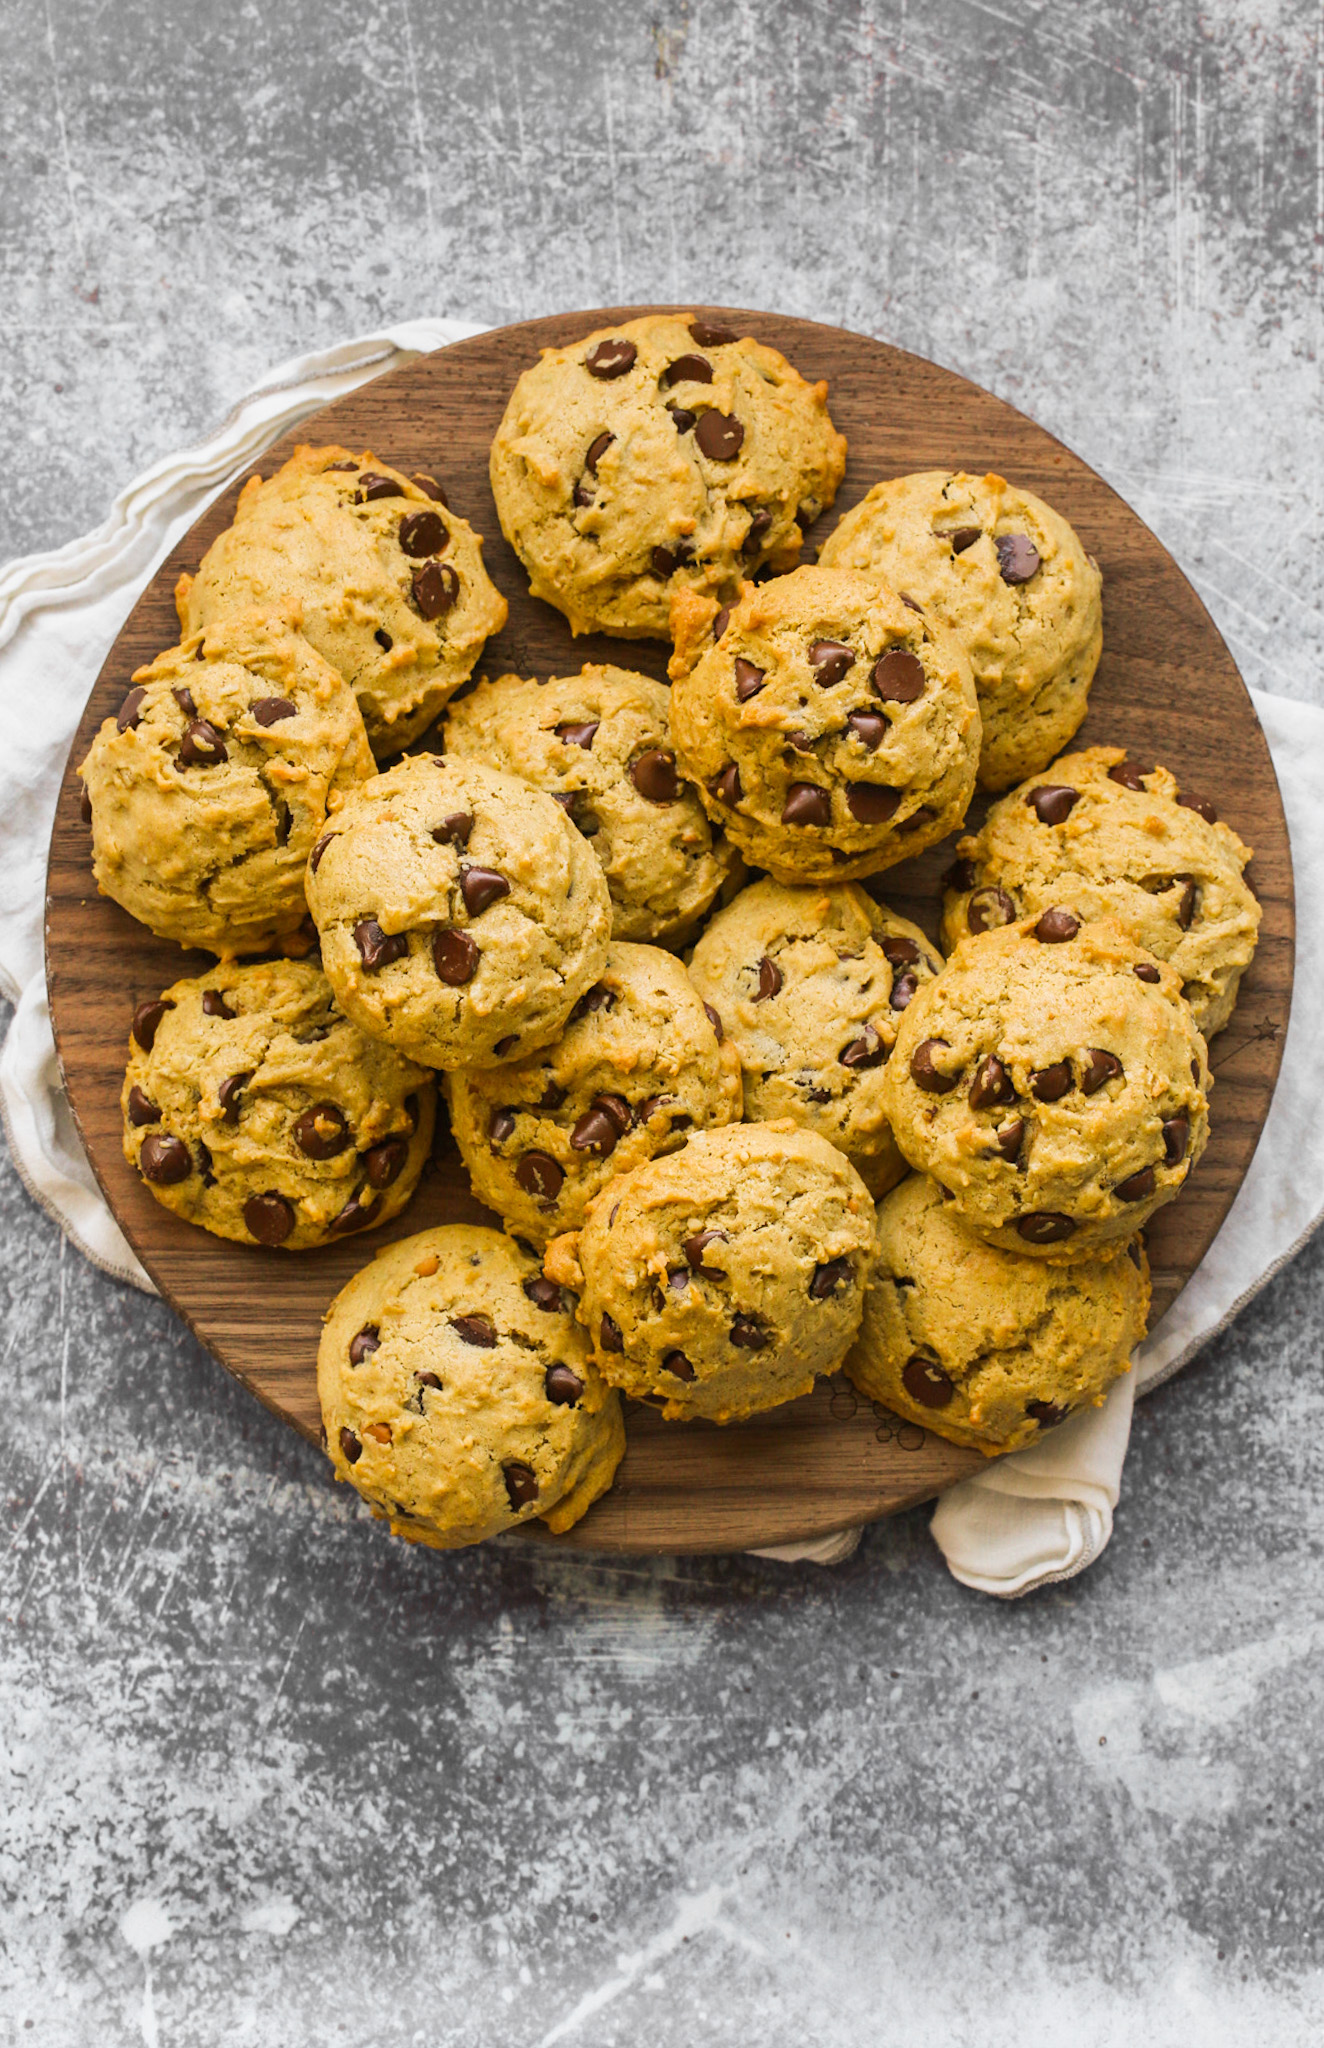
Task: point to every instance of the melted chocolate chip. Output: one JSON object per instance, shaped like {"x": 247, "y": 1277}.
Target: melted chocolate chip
{"x": 147, "y": 1021}
{"x": 315, "y": 857}
{"x": 1099, "y": 1068}
{"x": 719, "y": 436}
{"x": 770, "y": 979}
{"x": 599, "y": 997}
{"x": 992, "y": 1084}
{"x": 455, "y": 955}
{"x": 1186, "y": 907}
{"x": 709, "y": 335}
{"x": 903, "y": 988}
{"x": 807, "y": 804}
{"x": 202, "y": 746}
{"x": 926, "y": 1382}
{"x": 654, "y": 776}
{"x": 1201, "y": 806}
{"x": 538, "y": 1174}
{"x": 868, "y": 727}
{"x": 870, "y": 803}
{"x": 1046, "y": 1414}
{"x": 1146, "y": 971}
{"x": 373, "y": 485}
{"x": 682, "y": 418}
{"x": 898, "y": 677}
{"x": 141, "y": 1111}
{"x": 544, "y": 1294}
{"x": 1137, "y": 1187}
{"x": 269, "y": 1218}
{"x": 230, "y": 1094}
{"x": 757, "y": 528}
{"x": 351, "y": 1449}
{"x": 481, "y": 887}
{"x": 749, "y": 680}
{"x": 960, "y": 876}
{"x": 831, "y": 661}
{"x": 609, "y": 1335}
{"x": 358, "y": 1210}
{"x": 1050, "y": 1084}
{"x": 676, "y": 1362}
{"x": 866, "y": 1051}
{"x": 749, "y": 1334}
{"x": 989, "y": 908}
{"x": 1176, "y": 1138}
{"x": 430, "y": 488}
{"x": 521, "y": 1485}
{"x": 902, "y": 952}
{"x": 963, "y": 537}
{"x": 1055, "y": 927}
{"x": 377, "y": 949}
{"x": 578, "y": 735}
{"x": 384, "y": 1163}
{"x": 215, "y": 1005}
{"x": 727, "y": 787}
{"x": 1127, "y": 774}
{"x": 1052, "y": 802}
{"x": 273, "y": 710}
{"x": 687, "y": 370}
{"x": 454, "y": 830}
{"x": 364, "y": 1343}
{"x": 923, "y": 1072}
{"x": 596, "y": 1131}
{"x": 665, "y": 561}
{"x": 435, "y": 588}
{"x": 423, "y": 533}
{"x": 611, "y": 358}
{"x": 695, "y": 1247}
{"x": 1045, "y": 1226}
{"x": 828, "y": 1277}
{"x": 322, "y": 1131}
{"x": 719, "y": 1031}
{"x": 1010, "y": 1139}
{"x": 722, "y": 621}
{"x": 131, "y": 710}
{"x": 501, "y": 1125}
{"x": 596, "y": 450}
{"x": 184, "y": 698}
{"x": 1018, "y": 557}
{"x": 561, "y": 1386}
{"x": 477, "y": 1330}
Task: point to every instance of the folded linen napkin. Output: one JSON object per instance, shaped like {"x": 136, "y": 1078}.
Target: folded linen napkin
{"x": 1040, "y": 1515}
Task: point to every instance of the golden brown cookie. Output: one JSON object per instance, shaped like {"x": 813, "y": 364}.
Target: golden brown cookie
{"x": 831, "y": 730}
{"x": 1106, "y": 838}
{"x": 987, "y": 1347}
{"x": 662, "y": 454}
{"x": 600, "y": 743}
{"x": 458, "y": 1394}
{"x": 720, "y": 1280}
{"x": 1007, "y": 575}
{"x": 461, "y": 914}
{"x": 211, "y": 784}
{"x": 384, "y": 579}
{"x": 1052, "y": 1079}
{"x": 255, "y": 1109}
{"x": 810, "y": 984}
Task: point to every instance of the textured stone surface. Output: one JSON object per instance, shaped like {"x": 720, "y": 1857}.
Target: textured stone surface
{"x": 267, "y": 1778}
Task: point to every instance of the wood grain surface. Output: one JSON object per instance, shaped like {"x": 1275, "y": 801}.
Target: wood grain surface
{"x": 1167, "y": 689}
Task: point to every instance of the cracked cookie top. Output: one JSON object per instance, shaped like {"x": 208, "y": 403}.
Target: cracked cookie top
{"x": 210, "y": 786}
{"x": 664, "y": 454}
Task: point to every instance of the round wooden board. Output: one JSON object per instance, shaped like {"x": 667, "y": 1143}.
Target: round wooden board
{"x": 1166, "y": 688}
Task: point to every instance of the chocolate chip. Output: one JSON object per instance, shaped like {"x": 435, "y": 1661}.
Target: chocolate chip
{"x": 963, "y": 537}
{"x": 521, "y": 1485}
{"x": 749, "y": 680}
{"x": 146, "y": 1022}
{"x": 1009, "y": 1139}
{"x": 322, "y": 1131}
{"x": 202, "y": 746}
{"x": 989, "y": 908}
{"x": 544, "y": 1294}
{"x": 727, "y": 786}
{"x": 871, "y": 803}
{"x": 538, "y": 1174}
{"x": 506, "y": 1044}
{"x": 665, "y": 561}
{"x": 130, "y": 711}
{"x": 654, "y": 776}
{"x": 141, "y": 1111}
{"x": 866, "y": 1051}
{"x": 1046, "y": 1414}
{"x": 1176, "y": 1138}
{"x": 749, "y": 1334}
{"x": 85, "y": 805}
{"x": 429, "y": 1379}
{"x": 501, "y": 1125}
{"x": 898, "y": 677}
{"x": 348, "y": 464}
{"x": 1050, "y": 1084}
{"x": 423, "y": 533}
{"x": 435, "y": 588}
{"x": 770, "y": 979}
{"x": 831, "y": 661}
{"x": 215, "y": 1005}
{"x": 1186, "y": 907}
{"x": 271, "y": 710}
{"x": 1099, "y": 1068}
{"x": 1052, "y": 802}
{"x": 455, "y": 955}
{"x": 807, "y": 804}
{"x": 1018, "y": 557}
{"x": 711, "y": 1014}
{"x": 682, "y": 418}
{"x": 676, "y": 1362}
{"x": 481, "y": 887}
{"x": 834, "y": 1273}
{"x": 992, "y": 1084}
{"x": 719, "y": 436}
{"x": 960, "y": 876}
{"x": 454, "y": 830}
{"x": 687, "y": 370}
{"x": 269, "y": 1218}
{"x": 474, "y": 1329}
{"x": 609, "y": 1335}
{"x": 364, "y": 1343}
{"x": 1127, "y": 774}
{"x": 902, "y": 952}
{"x": 1055, "y": 927}
{"x": 611, "y": 358}
{"x": 561, "y": 1386}
{"x": 350, "y": 1448}
{"x": 315, "y": 858}
{"x": 377, "y": 948}
{"x": 384, "y": 1163}
{"x": 358, "y": 1210}
{"x": 923, "y": 1072}
{"x": 595, "y": 1131}
{"x": 755, "y": 531}
{"x": 926, "y": 1383}
{"x": 868, "y": 727}
{"x": 708, "y": 335}
{"x": 649, "y": 1108}
{"x": 230, "y": 1092}
{"x": 695, "y": 1247}
{"x": 1146, "y": 971}
{"x": 551, "y": 1098}
{"x": 599, "y": 997}
{"x": 373, "y": 485}
{"x": 430, "y": 488}
{"x": 903, "y": 988}
{"x": 1045, "y": 1226}
{"x": 184, "y": 699}
{"x": 1137, "y": 1187}
{"x": 1201, "y": 806}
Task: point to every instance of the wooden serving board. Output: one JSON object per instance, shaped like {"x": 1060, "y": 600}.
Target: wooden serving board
{"x": 1166, "y": 688}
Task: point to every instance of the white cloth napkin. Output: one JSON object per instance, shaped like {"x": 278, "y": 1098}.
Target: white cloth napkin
{"x": 1040, "y": 1515}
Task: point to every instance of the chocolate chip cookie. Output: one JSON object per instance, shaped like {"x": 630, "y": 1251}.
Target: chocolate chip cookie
{"x": 385, "y": 580}
{"x": 461, "y": 914}
{"x": 254, "y": 1108}
{"x": 720, "y": 1280}
{"x": 811, "y": 984}
{"x": 831, "y": 729}
{"x": 639, "y": 1067}
{"x": 458, "y": 1394}
{"x": 1007, "y": 575}
{"x": 987, "y": 1347}
{"x": 662, "y": 454}
{"x": 1052, "y": 1079}
{"x": 600, "y": 743}
{"x": 1106, "y": 837}
{"x": 210, "y": 785}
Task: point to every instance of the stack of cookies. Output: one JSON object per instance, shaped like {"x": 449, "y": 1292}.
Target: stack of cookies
{"x": 741, "y": 1129}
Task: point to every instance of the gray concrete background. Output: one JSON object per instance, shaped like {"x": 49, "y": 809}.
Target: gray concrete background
{"x": 268, "y": 1779}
